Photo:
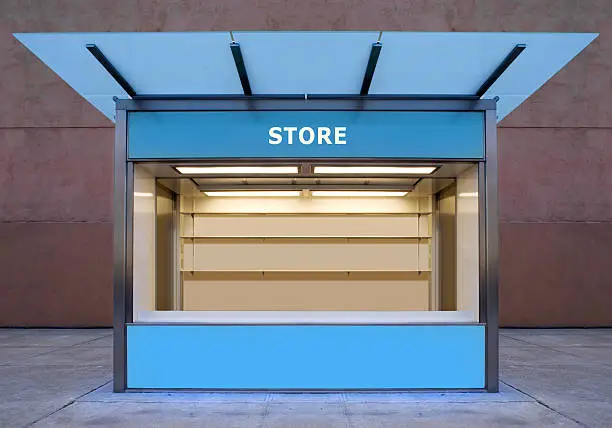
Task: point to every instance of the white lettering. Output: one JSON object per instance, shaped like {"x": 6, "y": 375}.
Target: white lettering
{"x": 290, "y": 130}
{"x": 307, "y": 135}
{"x": 310, "y": 132}
{"x": 323, "y": 134}
{"x": 340, "y": 135}
{"x": 275, "y": 135}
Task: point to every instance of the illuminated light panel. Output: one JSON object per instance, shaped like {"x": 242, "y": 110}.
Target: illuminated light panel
{"x": 255, "y": 193}
{"x": 399, "y": 170}
{"x": 237, "y": 169}
{"x": 143, "y": 194}
{"x": 469, "y": 194}
{"x": 357, "y": 193}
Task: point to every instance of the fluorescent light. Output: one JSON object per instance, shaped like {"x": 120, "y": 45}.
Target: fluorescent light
{"x": 237, "y": 169}
{"x": 143, "y": 194}
{"x": 357, "y": 193}
{"x": 374, "y": 169}
{"x": 469, "y": 194}
{"x": 255, "y": 193}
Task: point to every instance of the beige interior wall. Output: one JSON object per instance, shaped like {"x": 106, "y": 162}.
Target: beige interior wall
{"x": 165, "y": 258}
{"x": 302, "y": 205}
{"x": 144, "y": 242}
{"x": 468, "y": 242}
{"x": 306, "y": 291}
{"x": 326, "y": 254}
{"x": 447, "y": 245}
{"x": 309, "y": 254}
{"x": 382, "y": 226}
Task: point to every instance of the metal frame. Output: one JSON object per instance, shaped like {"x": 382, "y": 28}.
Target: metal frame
{"x": 487, "y": 174}
{"x": 312, "y": 103}
{"x": 489, "y": 214}
{"x": 119, "y": 253}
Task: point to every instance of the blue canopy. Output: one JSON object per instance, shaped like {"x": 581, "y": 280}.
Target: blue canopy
{"x": 305, "y": 62}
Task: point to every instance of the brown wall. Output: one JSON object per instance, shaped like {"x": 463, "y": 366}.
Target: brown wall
{"x": 56, "y": 152}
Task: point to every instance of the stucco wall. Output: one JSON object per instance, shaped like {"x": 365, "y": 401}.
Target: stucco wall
{"x": 56, "y": 152}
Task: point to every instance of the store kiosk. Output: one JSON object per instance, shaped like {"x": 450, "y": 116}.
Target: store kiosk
{"x": 307, "y": 242}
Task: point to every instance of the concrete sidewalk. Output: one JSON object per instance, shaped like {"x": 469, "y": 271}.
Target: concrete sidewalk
{"x": 60, "y": 378}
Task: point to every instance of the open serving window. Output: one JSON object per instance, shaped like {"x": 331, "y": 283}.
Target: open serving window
{"x": 306, "y": 242}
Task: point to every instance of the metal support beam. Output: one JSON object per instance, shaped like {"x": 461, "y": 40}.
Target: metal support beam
{"x": 516, "y": 51}
{"x": 110, "y": 68}
{"x": 300, "y": 97}
{"x": 242, "y": 73}
{"x": 369, "y": 73}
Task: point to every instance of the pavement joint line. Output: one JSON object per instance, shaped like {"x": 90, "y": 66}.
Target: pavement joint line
{"x": 265, "y": 411}
{"x": 544, "y": 404}
{"x": 530, "y": 400}
{"x": 525, "y": 341}
{"x": 346, "y": 410}
{"x": 86, "y": 342}
{"x": 564, "y": 349}
{"x": 68, "y": 404}
{"x": 518, "y": 340}
{"x": 46, "y": 352}
{"x": 548, "y": 347}
{"x": 605, "y": 363}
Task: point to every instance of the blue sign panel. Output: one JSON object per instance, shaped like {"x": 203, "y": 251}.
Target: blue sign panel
{"x": 305, "y": 357}
{"x": 305, "y": 134}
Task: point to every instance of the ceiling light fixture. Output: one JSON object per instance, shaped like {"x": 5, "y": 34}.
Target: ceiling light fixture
{"x": 385, "y": 170}
{"x": 357, "y": 193}
{"x": 211, "y": 170}
{"x": 254, "y": 193}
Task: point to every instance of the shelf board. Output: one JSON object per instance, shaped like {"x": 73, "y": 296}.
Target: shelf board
{"x": 299, "y": 214}
{"x": 305, "y": 271}
{"x": 302, "y": 237}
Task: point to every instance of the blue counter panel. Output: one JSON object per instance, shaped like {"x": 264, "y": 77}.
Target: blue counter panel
{"x": 305, "y": 134}
{"x": 305, "y": 357}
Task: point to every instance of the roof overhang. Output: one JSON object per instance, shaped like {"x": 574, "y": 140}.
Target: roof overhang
{"x": 508, "y": 67}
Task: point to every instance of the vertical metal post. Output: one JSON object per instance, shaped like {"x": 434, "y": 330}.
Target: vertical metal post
{"x": 119, "y": 253}
{"x": 492, "y": 257}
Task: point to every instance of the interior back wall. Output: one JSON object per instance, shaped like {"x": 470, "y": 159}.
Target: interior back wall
{"x": 56, "y": 152}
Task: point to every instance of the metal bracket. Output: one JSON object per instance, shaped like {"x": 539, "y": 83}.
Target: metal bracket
{"x": 240, "y": 67}
{"x": 110, "y": 68}
{"x": 516, "y": 51}
{"x": 369, "y": 73}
